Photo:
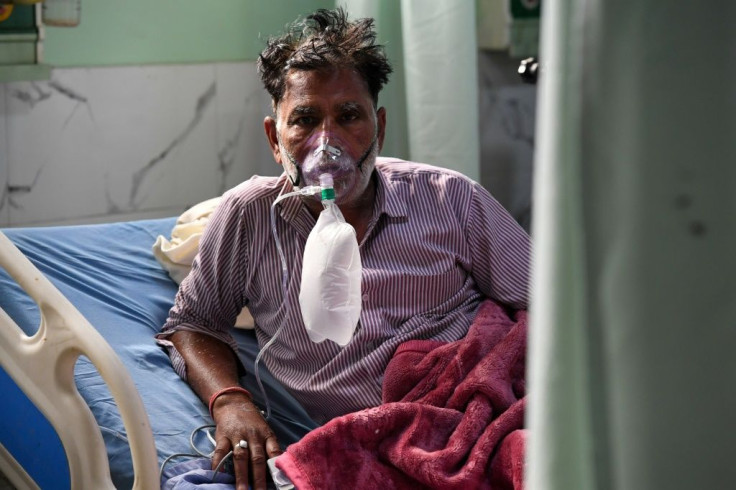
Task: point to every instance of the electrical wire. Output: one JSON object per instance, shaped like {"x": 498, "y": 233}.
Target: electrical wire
{"x": 166, "y": 461}
{"x": 219, "y": 465}
{"x": 306, "y": 191}
{"x": 198, "y": 452}
{"x": 292, "y": 422}
{"x": 209, "y": 436}
{"x": 194, "y": 447}
{"x": 310, "y": 190}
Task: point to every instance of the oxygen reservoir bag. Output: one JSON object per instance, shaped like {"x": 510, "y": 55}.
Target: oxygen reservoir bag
{"x": 330, "y": 296}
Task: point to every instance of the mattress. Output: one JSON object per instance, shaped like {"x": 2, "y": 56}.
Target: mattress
{"x": 108, "y": 272}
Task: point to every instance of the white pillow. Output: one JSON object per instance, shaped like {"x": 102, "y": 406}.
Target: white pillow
{"x": 176, "y": 255}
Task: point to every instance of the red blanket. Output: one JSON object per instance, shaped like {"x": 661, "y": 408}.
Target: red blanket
{"x": 452, "y": 418}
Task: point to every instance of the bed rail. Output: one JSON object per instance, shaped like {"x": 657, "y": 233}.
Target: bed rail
{"x": 43, "y": 367}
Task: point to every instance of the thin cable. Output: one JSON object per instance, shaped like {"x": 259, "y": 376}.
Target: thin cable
{"x": 175, "y": 455}
{"x": 311, "y": 190}
{"x": 306, "y": 191}
{"x": 202, "y": 428}
{"x": 209, "y": 436}
{"x": 291, "y": 421}
{"x": 212, "y": 439}
{"x": 222, "y": 461}
{"x": 258, "y": 376}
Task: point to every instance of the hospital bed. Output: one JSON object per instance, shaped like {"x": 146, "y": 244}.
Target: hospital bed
{"x": 89, "y": 399}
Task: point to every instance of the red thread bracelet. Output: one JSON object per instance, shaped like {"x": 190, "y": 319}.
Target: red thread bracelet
{"x": 229, "y": 389}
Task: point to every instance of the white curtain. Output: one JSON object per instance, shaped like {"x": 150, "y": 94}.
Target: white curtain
{"x": 432, "y": 99}
{"x": 632, "y": 369}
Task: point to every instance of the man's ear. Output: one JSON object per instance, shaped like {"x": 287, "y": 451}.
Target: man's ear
{"x": 269, "y": 125}
{"x": 381, "y": 116}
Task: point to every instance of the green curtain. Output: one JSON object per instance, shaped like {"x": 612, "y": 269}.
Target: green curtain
{"x": 432, "y": 99}
{"x": 632, "y": 372}
{"x": 560, "y": 452}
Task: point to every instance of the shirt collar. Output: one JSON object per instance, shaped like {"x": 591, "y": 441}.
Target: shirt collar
{"x": 391, "y": 193}
{"x": 291, "y": 207}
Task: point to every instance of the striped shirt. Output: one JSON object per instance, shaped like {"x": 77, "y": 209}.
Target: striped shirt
{"x": 437, "y": 244}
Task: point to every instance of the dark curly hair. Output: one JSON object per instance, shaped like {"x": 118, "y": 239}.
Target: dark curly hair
{"x": 325, "y": 39}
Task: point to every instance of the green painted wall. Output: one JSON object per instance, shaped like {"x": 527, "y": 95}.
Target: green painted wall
{"x": 112, "y": 32}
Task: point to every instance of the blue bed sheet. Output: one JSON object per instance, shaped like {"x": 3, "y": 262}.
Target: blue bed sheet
{"x": 109, "y": 273}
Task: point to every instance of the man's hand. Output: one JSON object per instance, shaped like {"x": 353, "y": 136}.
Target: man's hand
{"x": 238, "y": 419}
{"x": 211, "y": 366}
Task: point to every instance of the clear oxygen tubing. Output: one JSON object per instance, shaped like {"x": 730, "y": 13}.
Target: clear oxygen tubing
{"x": 306, "y": 191}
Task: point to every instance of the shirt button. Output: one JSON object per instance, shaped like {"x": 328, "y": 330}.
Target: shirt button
{"x": 365, "y": 297}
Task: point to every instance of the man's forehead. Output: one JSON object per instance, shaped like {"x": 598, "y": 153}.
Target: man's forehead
{"x": 308, "y": 87}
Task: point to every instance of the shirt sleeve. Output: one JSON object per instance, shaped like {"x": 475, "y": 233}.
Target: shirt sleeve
{"x": 500, "y": 250}
{"x": 212, "y": 295}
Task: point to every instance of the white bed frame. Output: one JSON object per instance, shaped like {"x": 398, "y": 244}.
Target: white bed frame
{"x": 43, "y": 367}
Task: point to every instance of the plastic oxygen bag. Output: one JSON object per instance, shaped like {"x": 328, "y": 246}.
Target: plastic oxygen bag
{"x": 330, "y": 297}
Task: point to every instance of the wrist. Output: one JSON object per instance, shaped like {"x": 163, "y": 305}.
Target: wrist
{"x": 230, "y": 390}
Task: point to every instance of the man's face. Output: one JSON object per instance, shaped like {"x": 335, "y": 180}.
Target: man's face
{"x": 326, "y": 123}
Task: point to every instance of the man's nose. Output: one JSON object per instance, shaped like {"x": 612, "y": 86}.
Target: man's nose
{"x": 327, "y": 125}
{"x": 326, "y": 133}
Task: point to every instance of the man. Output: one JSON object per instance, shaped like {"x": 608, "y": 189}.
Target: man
{"x": 433, "y": 244}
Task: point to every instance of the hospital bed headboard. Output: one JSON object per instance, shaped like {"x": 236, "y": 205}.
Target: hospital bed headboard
{"x": 42, "y": 365}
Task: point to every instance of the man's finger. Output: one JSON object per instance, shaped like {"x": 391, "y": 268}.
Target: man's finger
{"x": 220, "y": 452}
{"x": 273, "y": 448}
{"x": 241, "y": 459}
{"x": 258, "y": 462}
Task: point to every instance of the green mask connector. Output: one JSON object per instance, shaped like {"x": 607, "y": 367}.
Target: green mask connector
{"x": 328, "y": 194}
{"x": 327, "y": 185}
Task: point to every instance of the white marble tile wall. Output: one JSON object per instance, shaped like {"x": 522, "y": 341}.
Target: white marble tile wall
{"x": 108, "y": 144}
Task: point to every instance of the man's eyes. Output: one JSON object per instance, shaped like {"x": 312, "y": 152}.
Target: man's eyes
{"x": 308, "y": 121}
{"x": 303, "y": 121}
{"x": 349, "y": 116}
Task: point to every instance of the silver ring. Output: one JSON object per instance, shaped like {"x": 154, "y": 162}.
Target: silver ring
{"x": 242, "y": 444}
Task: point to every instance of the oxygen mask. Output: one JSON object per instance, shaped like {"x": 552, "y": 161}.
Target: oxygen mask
{"x": 326, "y": 154}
